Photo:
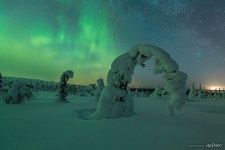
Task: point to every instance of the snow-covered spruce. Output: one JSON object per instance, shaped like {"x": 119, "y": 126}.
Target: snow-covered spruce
{"x": 90, "y": 90}
{"x": 219, "y": 93}
{"x": 136, "y": 93}
{"x": 100, "y": 86}
{"x": 223, "y": 93}
{"x": 115, "y": 101}
{"x": 18, "y": 94}
{"x": 210, "y": 94}
{"x": 215, "y": 93}
{"x": 192, "y": 93}
{"x": 157, "y": 92}
{"x": 164, "y": 93}
{"x": 63, "y": 85}
{"x": 201, "y": 93}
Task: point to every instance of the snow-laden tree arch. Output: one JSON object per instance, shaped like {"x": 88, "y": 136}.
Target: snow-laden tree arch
{"x": 115, "y": 100}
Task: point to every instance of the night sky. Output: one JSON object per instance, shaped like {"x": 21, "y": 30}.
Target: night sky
{"x": 42, "y": 38}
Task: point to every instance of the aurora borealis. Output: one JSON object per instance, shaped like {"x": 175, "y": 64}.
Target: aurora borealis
{"x": 41, "y": 39}
{"x": 43, "y": 44}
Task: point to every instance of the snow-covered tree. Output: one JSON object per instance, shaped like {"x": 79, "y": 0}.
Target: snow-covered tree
{"x": 147, "y": 93}
{"x": 164, "y": 93}
{"x": 210, "y": 94}
{"x": 157, "y": 92}
{"x": 223, "y": 93}
{"x": 142, "y": 93}
{"x": 18, "y": 93}
{"x": 116, "y": 102}
{"x": 136, "y": 93}
{"x": 81, "y": 91}
{"x": 219, "y": 93}
{"x": 215, "y": 93}
{"x": 192, "y": 93}
{"x": 63, "y": 85}
{"x": 73, "y": 89}
{"x": 91, "y": 89}
{"x": 100, "y": 86}
{"x": 200, "y": 92}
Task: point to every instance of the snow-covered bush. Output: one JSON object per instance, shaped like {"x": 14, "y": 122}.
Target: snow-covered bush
{"x": 18, "y": 93}
{"x": 63, "y": 85}
{"x": 157, "y": 92}
{"x": 100, "y": 86}
{"x": 116, "y": 102}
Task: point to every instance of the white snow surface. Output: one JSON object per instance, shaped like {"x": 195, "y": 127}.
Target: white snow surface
{"x": 43, "y": 124}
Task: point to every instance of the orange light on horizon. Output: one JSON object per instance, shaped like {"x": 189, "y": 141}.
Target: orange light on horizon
{"x": 215, "y": 87}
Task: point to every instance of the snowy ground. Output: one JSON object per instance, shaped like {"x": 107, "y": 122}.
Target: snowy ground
{"x": 42, "y": 124}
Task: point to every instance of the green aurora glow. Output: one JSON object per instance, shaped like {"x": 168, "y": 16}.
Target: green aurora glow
{"x": 30, "y": 47}
{"x": 42, "y": 38}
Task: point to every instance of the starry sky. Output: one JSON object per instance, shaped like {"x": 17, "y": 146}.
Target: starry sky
{"x": 42, "y": 38}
